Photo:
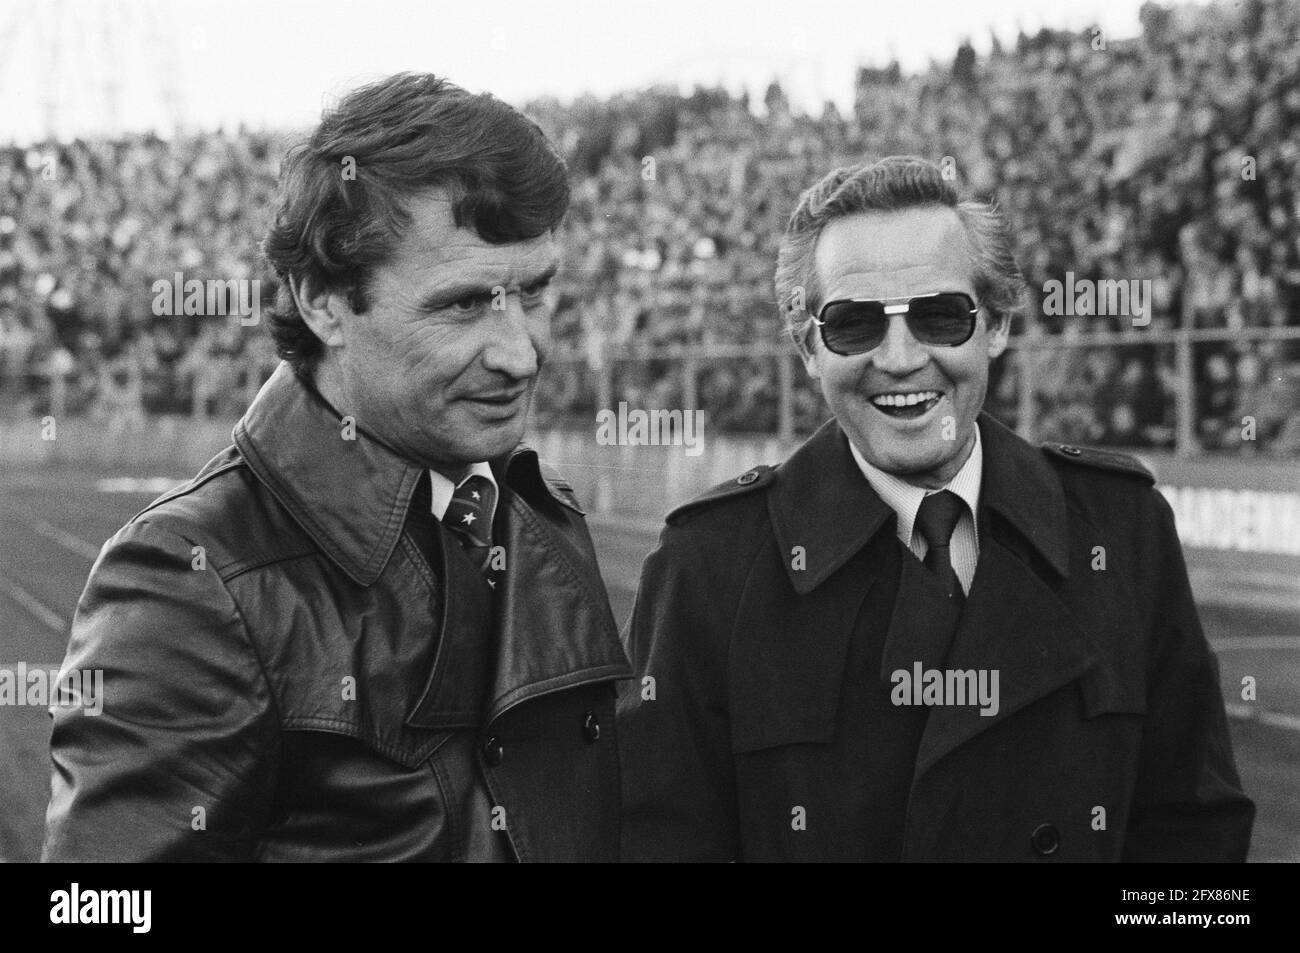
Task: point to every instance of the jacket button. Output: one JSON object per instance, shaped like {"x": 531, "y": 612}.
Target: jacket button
{"x": 591, "y": 727}
{"x": 492, "y": 751}
{"x": 745, "y": 479}
{"x": 1072, "y": 451}
{"x": 1045, "y": 839}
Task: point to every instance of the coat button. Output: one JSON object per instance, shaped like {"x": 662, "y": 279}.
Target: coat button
{"x": 1072, "y": 451}
{"x": 1045, "y": 839}
{"x": 492, "y": 751}
{"x": 745, "y": 479}
{"x": 591, "y": 727}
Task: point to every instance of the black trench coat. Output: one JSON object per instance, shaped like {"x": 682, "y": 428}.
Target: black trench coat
{"x": 742, "y": 738}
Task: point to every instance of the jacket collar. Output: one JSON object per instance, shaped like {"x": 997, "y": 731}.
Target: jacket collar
{"x": 348, "y": 491}
{"x": 821, "y": 501}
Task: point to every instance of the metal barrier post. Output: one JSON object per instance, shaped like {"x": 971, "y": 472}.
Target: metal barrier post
{"x": 604, "y": 382}
{"x": 1027, "y": 363}
{"x": 1185, "y": 443}
{"x": 785, "y": 400}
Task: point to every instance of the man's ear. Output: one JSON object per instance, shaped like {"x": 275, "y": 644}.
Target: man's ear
{"x": 808, "y": 352}
{"x": 999, "y": 332}
{"x": 810, "y": 363}
{"x": 320, "y": 309}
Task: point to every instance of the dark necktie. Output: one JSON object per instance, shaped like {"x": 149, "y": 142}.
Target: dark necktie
{"x": 936, "y": 519}
{"x": 469, "y": 517}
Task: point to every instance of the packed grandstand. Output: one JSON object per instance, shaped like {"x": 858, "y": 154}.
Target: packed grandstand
{"x": 1173, "y": 157}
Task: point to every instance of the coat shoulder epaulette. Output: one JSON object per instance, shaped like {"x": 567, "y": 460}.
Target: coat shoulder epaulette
{"x": 560, "y": 488}
{"x": 1099, "y": 459}
{"x": 749, "y": 481}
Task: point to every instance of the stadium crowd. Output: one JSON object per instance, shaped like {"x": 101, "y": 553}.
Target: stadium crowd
{"x": 1173, "y": 157}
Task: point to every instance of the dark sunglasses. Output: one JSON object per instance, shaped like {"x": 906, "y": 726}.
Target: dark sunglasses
{"x": 857, "y": 325}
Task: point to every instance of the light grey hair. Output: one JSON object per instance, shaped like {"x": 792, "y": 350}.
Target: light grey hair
{"x": 893, "y": 184}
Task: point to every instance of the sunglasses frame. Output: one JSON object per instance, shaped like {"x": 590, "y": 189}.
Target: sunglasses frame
{"x": 898, "y": 305}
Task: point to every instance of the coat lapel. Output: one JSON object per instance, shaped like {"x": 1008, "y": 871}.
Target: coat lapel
{"x": 1015, "y": 625}
{"x": 546, "y": 626}
{"x": 551, "y": 587}
{"x": 453, "y": 696}
{"x": 1014, "y": 622}
{"x": 788, "y": 659}
{"x": 788, "y": 655}
{"x": 822, "y": 504}
{"x": 550, "y": 618}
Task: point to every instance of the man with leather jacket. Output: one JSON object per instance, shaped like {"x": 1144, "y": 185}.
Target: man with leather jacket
{"x": 373, "y": 628}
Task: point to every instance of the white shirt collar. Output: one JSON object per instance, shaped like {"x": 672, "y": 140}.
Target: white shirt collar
{"x": 441, "y": 489}
{"x": 905, "y": 499}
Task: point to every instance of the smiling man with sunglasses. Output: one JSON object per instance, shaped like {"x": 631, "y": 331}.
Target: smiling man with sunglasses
{"x": 921, "y": 638}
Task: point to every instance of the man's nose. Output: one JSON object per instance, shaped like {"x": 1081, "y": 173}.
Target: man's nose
{"x": 899, "y": 353}
{"x": 518, "y": 341}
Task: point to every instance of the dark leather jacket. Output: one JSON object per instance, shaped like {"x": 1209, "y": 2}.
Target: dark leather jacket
{"x": 301, "y": 664}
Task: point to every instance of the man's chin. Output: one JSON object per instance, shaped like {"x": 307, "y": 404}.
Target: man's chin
{"x": 495, "y": 440}
{"x": 481, "y": 445}
{"x": 913, "y": 463}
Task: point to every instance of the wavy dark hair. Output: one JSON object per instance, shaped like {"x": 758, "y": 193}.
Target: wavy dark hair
{"x": 343, "y": 193}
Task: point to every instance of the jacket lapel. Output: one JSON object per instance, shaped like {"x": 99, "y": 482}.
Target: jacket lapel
{"x": 453, "y": 695}
{"x": 353, "y": 497}
{"x": 554, "y": 625}
{"x": 1014, "y": 622}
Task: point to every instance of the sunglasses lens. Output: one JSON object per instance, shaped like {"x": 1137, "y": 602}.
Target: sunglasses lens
{"x": 943, "y": 320}
{"x": 853, "y": 327}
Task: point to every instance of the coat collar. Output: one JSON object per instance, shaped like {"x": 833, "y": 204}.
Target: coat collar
{"x": 348, "y": 491}
{"x": 821, "y": 501}
{"x": 1020, "y": 485}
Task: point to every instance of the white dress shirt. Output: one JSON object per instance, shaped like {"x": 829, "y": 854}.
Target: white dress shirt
{"x": 441, "y": 490}
{"x": 905, "y": 500}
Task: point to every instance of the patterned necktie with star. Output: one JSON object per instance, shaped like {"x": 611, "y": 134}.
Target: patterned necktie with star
{"x": 936, "y": 519}
{"x": 469, "y": 517}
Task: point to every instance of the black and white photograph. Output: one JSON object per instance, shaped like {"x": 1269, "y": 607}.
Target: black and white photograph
{"x": 665, "y": 433}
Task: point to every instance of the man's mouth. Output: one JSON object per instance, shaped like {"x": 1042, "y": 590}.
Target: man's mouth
{"x": 499, "y": 404}
{"x": 500, "y": 398}
{"x": 906, "y": 405}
